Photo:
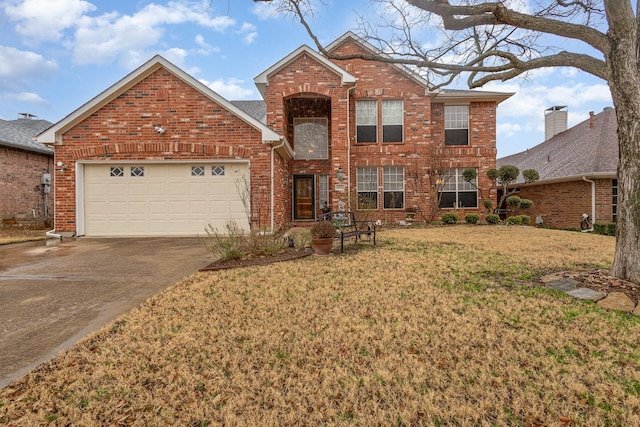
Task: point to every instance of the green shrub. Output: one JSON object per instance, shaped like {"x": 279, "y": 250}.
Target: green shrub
{"x": 472, "y": 218}
{"x": 487, "y": 203}
{"x": 513, "y": 201}
{"x": 526, "y": 219}
{"x": 492, "y": 219}
{"x": 605, "y": 228}
{"x": 226, "y": 244}
{"x": 513, "y": 220}
{"x": 525, "y": 203}
{"x": 449, "y": 218}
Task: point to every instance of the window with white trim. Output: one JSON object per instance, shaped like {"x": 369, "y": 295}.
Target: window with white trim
{"x": 217, "y": 170}
{"x": 136, "y": 171}
{"x": 393, "y": 187}
{"x": 367, "y": 121}
{"x": 392, "y": 120}
{"x": 367, "y": 187}
{"x": 323, "y": 191}
{"x": 311, "y": 138}
{"x": 116, "y": 171}
{"x": 456, "y": 125}
{"x": 197, "y": 170}
{"x": 456, "y": 192}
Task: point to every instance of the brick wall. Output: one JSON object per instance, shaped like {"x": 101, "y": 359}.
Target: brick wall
{"x": 196, "y": 128}
{"x": 561, "y": 205}
{"x": 306, "y": 88}
{"x": 422, "y": 149}
{"x": 20, "y": 187}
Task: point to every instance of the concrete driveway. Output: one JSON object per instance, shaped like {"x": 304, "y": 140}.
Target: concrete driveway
{"x": 53, "y": 293}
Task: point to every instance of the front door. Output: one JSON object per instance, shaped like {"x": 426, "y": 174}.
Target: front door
{"x": 303, "y": 197}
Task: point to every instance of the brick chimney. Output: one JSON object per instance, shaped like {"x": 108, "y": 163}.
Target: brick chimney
{"x": 591, "y": 113}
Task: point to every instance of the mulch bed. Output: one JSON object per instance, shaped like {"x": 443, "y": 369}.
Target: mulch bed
{"x": 257, "y": 260}
{"x": 600, "y": 280}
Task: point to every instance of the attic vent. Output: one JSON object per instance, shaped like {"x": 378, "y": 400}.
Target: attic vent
{"x": 555, "y": 121}
{"x": 27, "y": 116}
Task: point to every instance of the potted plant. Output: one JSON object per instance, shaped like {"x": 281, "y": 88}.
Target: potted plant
{"x": 322, "y": 234}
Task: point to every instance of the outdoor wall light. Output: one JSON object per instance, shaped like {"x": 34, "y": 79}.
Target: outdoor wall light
{"x": 160, "y": 129}
{"x": 60, "y": 167}
{"x": 340, "y": 174}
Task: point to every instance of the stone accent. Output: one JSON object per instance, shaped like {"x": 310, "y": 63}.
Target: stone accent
{"x": 564, "y": 285}
{"x": 586, "y": 293}
{"x": 609, "y": 300}
{"x": 617, "y": 301}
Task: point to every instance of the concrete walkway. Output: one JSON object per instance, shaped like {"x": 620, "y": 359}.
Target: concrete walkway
{"x": 53, "y": 293}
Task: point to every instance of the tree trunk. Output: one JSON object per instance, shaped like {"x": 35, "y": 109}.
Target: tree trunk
{"x": 624, "y": 83}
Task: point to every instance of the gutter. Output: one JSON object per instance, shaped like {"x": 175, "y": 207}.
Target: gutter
{"x": 593, "y": 201}
{"x": 52, "y": 234}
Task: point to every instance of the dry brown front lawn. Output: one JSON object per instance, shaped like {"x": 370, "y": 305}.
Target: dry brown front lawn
{"x": 438, "y": 326}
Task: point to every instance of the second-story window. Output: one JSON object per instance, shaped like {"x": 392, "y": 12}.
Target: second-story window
{"x": 310, "y": 138}
{"x": 456, "y": 125}
{"x": 392, "y": 120}
{"x": 367, "y": 121}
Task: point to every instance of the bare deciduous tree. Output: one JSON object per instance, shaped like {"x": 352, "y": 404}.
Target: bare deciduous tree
{"x": 496, "y": 41}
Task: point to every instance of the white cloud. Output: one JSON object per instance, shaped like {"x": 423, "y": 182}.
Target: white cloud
{"x": 249, "y": 32}
{"x": 265, "y": 11}
{"x": 508, "y": 130}
{"x": 22, "y": 66}
{"x": 27, "y": 97}
{"x": 205, "y": 48}
{"x": 45, "y": 20}
{"x": 103, "y": 39}
{"x": 230, "y": 89}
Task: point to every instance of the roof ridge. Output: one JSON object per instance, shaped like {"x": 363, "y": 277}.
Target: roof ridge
{"x": 601, "y": 142}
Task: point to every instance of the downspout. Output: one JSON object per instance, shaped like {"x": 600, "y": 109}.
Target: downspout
{"x": 349, "y": 150}
{"x": 593, "y": 201}
{"x": 273, "y": 151}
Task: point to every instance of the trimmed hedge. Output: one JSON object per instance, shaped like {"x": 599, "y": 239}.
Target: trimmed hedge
{"x": 513, "y": 220}
{"x": 449, "y": 218}
{"x": 492, "y": 219}
{"x": 606, "y": 228}
{"x": 472, "y": 218}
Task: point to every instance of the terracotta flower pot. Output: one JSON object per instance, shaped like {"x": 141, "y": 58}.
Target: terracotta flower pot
{"x": 322, "y": 246}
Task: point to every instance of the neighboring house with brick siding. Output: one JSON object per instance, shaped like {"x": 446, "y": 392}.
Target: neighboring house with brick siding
{"x": 24, "y": 200}
{"x": 577, "y": 170}
{"x": 159, "y": 153}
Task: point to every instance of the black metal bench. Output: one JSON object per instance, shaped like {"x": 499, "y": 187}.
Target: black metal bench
{"x": 347, "y": 226}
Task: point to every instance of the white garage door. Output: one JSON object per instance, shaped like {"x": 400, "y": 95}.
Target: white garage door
{"x": 170, "y": 199}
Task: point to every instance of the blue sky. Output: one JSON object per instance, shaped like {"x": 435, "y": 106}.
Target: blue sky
{"x": 55, "y": 55}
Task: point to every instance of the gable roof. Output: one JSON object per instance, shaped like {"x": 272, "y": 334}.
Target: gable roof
{"x": 262, "y": 80}
{"x": 589, "y": 149}
{"x": 53, "y": 135}
{"x": 442, "y": 95}
{"x": 20, "y": 134}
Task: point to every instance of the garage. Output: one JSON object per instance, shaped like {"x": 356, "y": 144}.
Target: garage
{"x": 161, "y": 199}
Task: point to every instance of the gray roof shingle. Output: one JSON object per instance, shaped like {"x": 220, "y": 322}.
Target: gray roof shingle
{"x": 579, "y": 151}
{"x": 256, "y": 109}
{"x": 20, "y": 133}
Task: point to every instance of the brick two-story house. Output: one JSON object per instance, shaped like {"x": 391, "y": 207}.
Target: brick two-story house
{"x": 159, "y": 153}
